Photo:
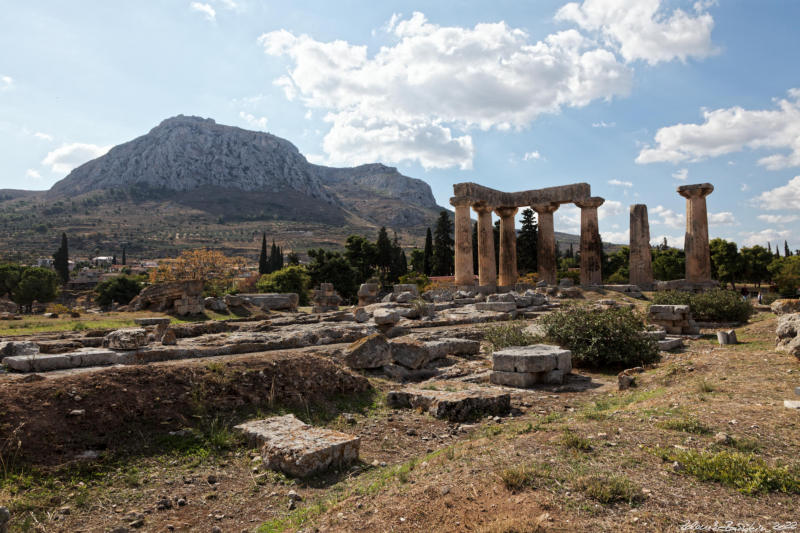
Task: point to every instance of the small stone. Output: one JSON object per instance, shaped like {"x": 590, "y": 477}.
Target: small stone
{"x": 212, "y": 479}
{"x": 293, "y": 496}
{"x": 411, "y": 432}
{"x": 181, "y": 502}
{"x": 678, "y": 467}
{"x": 292, "y": 505}
{"x": 139, "y": 522}
{"x": 722, "y": 438}
{"x": 65, "y": 510}
{"x": 216, "y": 529}
{"x": 77, "y": 412}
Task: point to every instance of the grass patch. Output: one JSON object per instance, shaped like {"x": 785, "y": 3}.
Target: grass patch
{"x": 706, "y": 387}
{"x": 745, "y": 472}
{"x": 609, "y": 490}
{"x": 575, "y": 442}
{"x": 523, "y": 477}
{"x": 605, "y": 407}
{"x": 688, "y": 425}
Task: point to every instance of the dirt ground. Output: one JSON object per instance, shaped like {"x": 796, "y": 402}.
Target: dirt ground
{"x": 153, "y": 449}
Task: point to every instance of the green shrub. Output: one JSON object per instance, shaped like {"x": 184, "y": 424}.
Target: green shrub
{"x": 767, "y": 299}
{"x": 292, "y": 278}
{"x": 601, "y": 338}
{"x": 513, "y": 334}
{"x": 121, "y": 289}
{"x": 421, "y": 280}
{"x": 716, "y": 305}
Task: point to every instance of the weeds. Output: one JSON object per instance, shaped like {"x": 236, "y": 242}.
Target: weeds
{"x": 609, "y": 490}
{"x": 511, "y": 334}
{"x": 688, "y": 425}
{"x": 522, "y": 477}
{"x": 575, "y": 442}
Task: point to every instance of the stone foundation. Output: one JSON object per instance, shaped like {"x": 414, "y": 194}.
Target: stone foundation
{"x": 675, "y": 319}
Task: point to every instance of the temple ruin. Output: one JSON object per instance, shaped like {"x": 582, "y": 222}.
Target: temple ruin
{"x": 484, "y": 201}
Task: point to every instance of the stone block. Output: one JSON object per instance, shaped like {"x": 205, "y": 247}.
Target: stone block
{"x": 405, "y": 297}
{"x": 449, "y": 346}
{"x": 406, "y": 287}
{"x": 727, "y": 337}
{"x": 504, "y": 297}
{"x": 564, "y": 361}
{"x": 554, "y": 377}
{"x": 297, "y": 449}
{"x": 385, "y": 317}
{"x": 502, "y": 307}
{"x": 534, "y": 358}
{"x": 455, "y": 406}
{"x": 14, "y": 348}
{"x": 372, "y": 351}
{"x": 410, "y": 353}
{"x": 125, "y": 339}
{"x": 785, "y": 306}
{"x": 670, "y": 344}
{"x": 151, "y": 321}
{"x": 520, "y": 380}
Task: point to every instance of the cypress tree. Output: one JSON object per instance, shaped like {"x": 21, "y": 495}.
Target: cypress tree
{"x": 263, "y": 266}
{"x": 786, "y": 251}
{"x": 443, "y": 259}
{"x": 427, "y": 254}
{"x": 61, "y": 259}
{"x": 384, "y": 250}
{"x": 526, "y": 243}
{"x": 475, "y": 248}
{"x": 124, "y": 260}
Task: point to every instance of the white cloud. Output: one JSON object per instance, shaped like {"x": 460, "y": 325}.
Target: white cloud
{"x": 33, "y": 174}
{"x": 609, "y": 208}
{"x": 640, "y": 29}
{"x": 68, "y": 156}
{"x": 531, "y": 155}
{"x": 615, "y": 237}
{"x": 778, "y": 219}
{"x": 668, "y": 217}
{"x": 675, "y": 241}
{"x": 418, "y": 99}
{"x": 43, "y": 136}
{"x": 751, "y": 238}
{"x": 783, "y": 197}
{"x": 6, "y": 82}
{"x": 602, "y": 124}
{"x": 208, "y": 12}
{"x": 568, "y": 219}
{"x": 731, "y": 130}
{"x": 724, "y": 218}
{"x": 254, "y": 121}
{"x": 682, "y": 174}
{"x": 745, "y": 187}
{"x": 229, "y": 4}
{"x": 620, "y": 183}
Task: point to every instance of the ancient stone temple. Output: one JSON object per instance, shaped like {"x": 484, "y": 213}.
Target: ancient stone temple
{"x": 640, "y": 265}
{"x": 695, "y": 244}
{"x": 484, "y": 201}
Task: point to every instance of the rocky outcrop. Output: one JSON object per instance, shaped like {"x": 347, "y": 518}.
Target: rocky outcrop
{"x": 126, "y": 339}
{"x": 785, "y": 306}
{"x": 788, "y": 333}
{"x": 266, "y": 301}
{"x": 179, "y": 297}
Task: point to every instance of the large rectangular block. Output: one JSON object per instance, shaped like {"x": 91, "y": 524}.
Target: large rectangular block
{"x": 521, "y": 380}
{"x": 293, "y": 447}
{"x": 502, "y": 307}
{"x": 456, "y": 406}
{"x": 533, "y": 358}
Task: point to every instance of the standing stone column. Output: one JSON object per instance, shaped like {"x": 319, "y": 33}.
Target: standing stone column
{"x": 591, "y": 245}
{"x": 640, "y": 263}
{"x": 695, "y": 244}
{"x": 487, "y": 271}
{"x": 463, "y": 245}
{"x": 508, "y": 246}
{"x": 546, "y": 244}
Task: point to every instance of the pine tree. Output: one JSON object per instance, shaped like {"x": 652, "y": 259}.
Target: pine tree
{"x": 427, "y": 257}
{"x": 263, "y": 266}
{"x": 526, "y": 242}
{"x": 443, "y": 259}
{"x": 61, "y": 259}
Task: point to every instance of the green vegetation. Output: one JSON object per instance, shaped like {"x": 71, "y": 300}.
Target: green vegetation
{"x": 608, "y": 338}
{"x": 28, "y": 284}
{"x": 288, "y": 279}
{"x": 575, "y": 442}
{"x": 528, "y": 476}
{"x": 509, "y": 334}
{"x": 714, "y": 305}
{"x": 688, "y": 425}
{"x": 612, "y": 489}
{"x": 121, "y": 290}
{"x": 744, "y": 472}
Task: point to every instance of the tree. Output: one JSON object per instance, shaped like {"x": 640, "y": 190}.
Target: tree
{"x": 292, "y": 258}
{"x": 726, "y": 263}
{"x": 263, "y": 265}
{"x": 361, "y": 254}
{"x": 61, "y": 259}
{"x": 399, "y": 265}
{"x": 212, "y": 267}
{"x": 427, "y": 257}
{"x": 383, "y": 253}
{"x": 418, "y": 261}
{"x": 527, "y": 241}
{"x": 35, "y": 284}
{"x": 786, "y": 251}
{"x": 755, "y": 263}
{"x": 616, "y": 266}
{"x": 121, "y": 289}
{"x": 443, "y": 260}
{"x": 124, "y": 259}
{"x": 333, "y": 267}
{"x": 10, "y": 275}
{"x": 289, "y": 279}
{"x": 668, "y": 264}
{"x": 275, "y": 261}
{"x": 785, "y": 273}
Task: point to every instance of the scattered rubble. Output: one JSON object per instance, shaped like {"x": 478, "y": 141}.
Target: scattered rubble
{"x": 179, "y": 297}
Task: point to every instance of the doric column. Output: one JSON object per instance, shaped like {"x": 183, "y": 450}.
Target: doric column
{"x": 591, "y": 245}
{"x": 463, "y": 245}
{"x": 695, "y": 244}
{"x": 487, "y": 272}
{"x": 508, "y": 246}
{"x": 640, "y": 263}
{"x": 546, "y": 244}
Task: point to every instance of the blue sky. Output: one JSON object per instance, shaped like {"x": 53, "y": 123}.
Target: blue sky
{"x": 634, "y": 97}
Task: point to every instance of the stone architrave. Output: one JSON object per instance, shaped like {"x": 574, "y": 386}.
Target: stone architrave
{"x": 487, "y": 270}
{"x": 591, "y": 245}
{"x": 640, "y": 262}
{"x": 508, "y": 246}
{"x": 463, "y": 242}
{"x": 546, "y": 245}
{"x": 695, "y": 244}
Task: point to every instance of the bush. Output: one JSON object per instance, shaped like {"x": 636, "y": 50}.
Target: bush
{"x": 121, "y": 289}
{"x": 420, "y": 280}
{"x": 601, "y": 338}
{"x": 293, "y": 278}
{"x": 505, "y": 335}
{"x": 716, "y": 305}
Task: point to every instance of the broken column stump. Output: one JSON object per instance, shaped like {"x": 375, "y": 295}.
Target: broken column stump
{"x": 525, "y": 366}
{"x": 456, "y": 406}
{"x": 293, "y": 447}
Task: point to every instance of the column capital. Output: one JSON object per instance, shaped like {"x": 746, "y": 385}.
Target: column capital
{"x": 594, "y": 201}
{"x": 460, "y": 201}
{"x": 545, "y": 208}
{"x": 504, "y": 212}
{"x": 482, "y": 207}
{"x": 698, "y": 190}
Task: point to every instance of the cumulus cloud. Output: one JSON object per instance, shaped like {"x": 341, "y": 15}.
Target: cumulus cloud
{"x": 731, "y": 130}
{"x": 609, "y": 208}
{"x": 642, "y": 30}
{"x": 751, "y": 238}
{"x": 43, "y": 136}
{"x": 725, "y": 218}
{"x": 568, "y": 218}
{"x": 676, "y": 241}
{"x": 620, "y": 183}
{"x": 33, "y": 174}
{"x": 531, "y": 155}
{"x": 418, "y": 99}
{"x": 682, "y": 174}
{"x": 68, "y": 156}
{"x": 668, "y": 217}
{"x": 254, "y": 121}
{"x": 6, "y": 82}
{"x": 783, "y": 197}
{"x": 603, "y": 124}
{"x": 207, "y": 10}
{"x": 778, "y": 219}
{"x": 615, "y": 237}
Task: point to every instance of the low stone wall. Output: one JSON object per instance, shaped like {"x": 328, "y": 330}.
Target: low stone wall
{"x": 675, "y": 319}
